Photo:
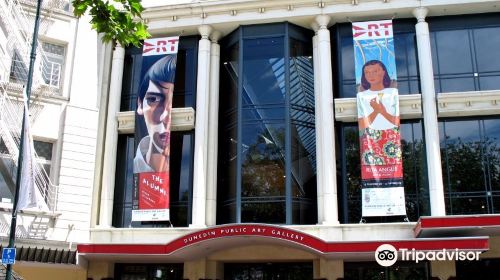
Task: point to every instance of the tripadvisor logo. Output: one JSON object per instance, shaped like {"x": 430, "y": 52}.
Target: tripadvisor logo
{"x": 386, "y": 255}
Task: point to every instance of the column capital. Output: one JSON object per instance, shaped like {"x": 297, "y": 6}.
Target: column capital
{"x": 205, "y": 31}
{"x": 322, "y": 21}
{"x": 420, "y": 13}
{"x": 215, "y": 36}
{"x": 315, "y": 26}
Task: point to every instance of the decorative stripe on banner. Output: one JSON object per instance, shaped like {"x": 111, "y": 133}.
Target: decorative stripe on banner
{"x": 152, "y": 132}
{"x": 378, "y": 119}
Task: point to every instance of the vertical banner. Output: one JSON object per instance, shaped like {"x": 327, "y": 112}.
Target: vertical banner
{"x": 378, "y": 119}
{"x": 152, "y": 130}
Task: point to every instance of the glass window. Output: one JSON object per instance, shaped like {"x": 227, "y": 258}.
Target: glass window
{"x": 284, "y": 271}
{"x": 126, "y": 271}
{"x": 43, "y": 151}
{"x": 267, "y": 174}
{"x": 52, "y": 64}
{"x": 414, "y": 178}
{"x": 181, "y": 153}
{"x": 485, "y": 269}
{"x": 474, "y": 63}
{"x": 400, "y": 270}
{"x": 470, "y": 155}
{"x": 406, "y": 58}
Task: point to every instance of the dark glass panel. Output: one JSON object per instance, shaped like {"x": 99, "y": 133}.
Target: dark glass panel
{"x": 457, "y": 84}
{"x": 228, "y": 137}
{"x": 462, "y": 157}
{"x": 181, "y": 170}
{"x": 270, "y": 209}
{"x": 303, "y": 134}
{"x": 149, "y": 271}
{"x": 454, "y": 58}
{"x": 489, "y": 81}
{"x": 471, "y": 164}
{"x": 267, "y": 271}
{"x": 487, "y": 49}
{"x": 124, "y": 181}
{"x": 263, "y": 161}
{"x": 485, "y": 269}
{"x": 274, "y": 113}
{"x": 373, "y": 271}
{"x": 263, "y": 71}
{"x": 492, "y": 153}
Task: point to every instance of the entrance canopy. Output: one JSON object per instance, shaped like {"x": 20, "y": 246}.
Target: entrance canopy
{"x": 204, "y": 242}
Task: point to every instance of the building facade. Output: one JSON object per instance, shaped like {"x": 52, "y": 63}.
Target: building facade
{"x": 264, "y": 161}
{"x": 64, "y": 116}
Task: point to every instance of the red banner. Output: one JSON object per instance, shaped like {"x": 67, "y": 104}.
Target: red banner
{"x": 153, "y": 128}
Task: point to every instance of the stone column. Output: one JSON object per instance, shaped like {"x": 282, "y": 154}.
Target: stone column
{"x": 111, "y": 140}
{"x": 325, "y": 127}
{"x": 432, "y": 150}
{"x": 317, "y": 110}
{"x": 213, "y": 129}
{"x": 200, "y": 134}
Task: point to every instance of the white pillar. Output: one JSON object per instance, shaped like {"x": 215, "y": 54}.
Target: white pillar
{"x": 430, "y": 114}
{"x": 201, "y": 125}
{"x": 317, "y": 116}
{"x": 111, "y": 140}
{"x": 326, "y": 126}
{"x": 213, "y": 126}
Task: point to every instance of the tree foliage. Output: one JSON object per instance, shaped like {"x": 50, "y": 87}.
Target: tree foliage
{"x": 117, "y": 20}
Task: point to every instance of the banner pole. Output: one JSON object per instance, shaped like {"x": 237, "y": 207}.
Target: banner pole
{"x": 13, "y": 222}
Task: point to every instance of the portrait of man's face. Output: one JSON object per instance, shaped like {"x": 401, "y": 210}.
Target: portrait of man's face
{"x": 156, "y": 109}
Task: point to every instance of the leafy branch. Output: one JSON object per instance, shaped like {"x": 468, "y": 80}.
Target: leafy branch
{"x": 118, "y": 20}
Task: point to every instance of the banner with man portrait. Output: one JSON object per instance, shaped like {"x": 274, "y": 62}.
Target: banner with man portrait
{"x": 378, "y": 119}
{"x": 152, "y": 130}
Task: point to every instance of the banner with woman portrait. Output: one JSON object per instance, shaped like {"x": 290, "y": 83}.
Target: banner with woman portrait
{"x": 378, "y": 119}
{"x": 152, "y": 130}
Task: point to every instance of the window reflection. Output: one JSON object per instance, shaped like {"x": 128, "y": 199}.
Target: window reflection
{"x": 470, "y": 154}
{"x": 472, "y": 65}
{"x": 274, "y": 134}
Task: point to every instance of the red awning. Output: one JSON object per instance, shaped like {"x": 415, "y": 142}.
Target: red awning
{"x": 204, "y": 242}
{"x": 458, "y": 226}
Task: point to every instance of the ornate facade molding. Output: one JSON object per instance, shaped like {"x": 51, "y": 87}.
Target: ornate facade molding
{"x": 473, "y": 103}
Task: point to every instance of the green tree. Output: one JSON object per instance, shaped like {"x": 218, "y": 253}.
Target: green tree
{"x": 117, "y": 20}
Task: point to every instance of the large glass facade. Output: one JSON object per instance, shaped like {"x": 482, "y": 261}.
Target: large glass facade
{"x": 416, "y": 190}
{"x": 267, "y": 171}
{"x": 181, "y": 156}
{"x": 470, "y": 155}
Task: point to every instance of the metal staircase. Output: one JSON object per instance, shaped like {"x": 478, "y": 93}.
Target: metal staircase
{"x": 16, "y": 26}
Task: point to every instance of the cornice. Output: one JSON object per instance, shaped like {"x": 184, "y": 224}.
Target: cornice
{"x": 474, "y": 103}
{"x": 451, "y": 104}
{"x": 228, "y": 14}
